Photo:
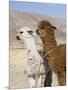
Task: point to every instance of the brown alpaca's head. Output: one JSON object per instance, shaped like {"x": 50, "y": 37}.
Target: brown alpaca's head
{"x": 45, "y": 28}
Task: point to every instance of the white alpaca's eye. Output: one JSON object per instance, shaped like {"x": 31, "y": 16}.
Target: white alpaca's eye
{"x": 21, "y": 32}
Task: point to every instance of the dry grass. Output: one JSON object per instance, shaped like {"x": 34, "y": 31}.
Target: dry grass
{"x": 18, "y": 61}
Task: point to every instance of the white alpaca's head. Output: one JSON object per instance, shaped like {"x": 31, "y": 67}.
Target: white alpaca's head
{"x": 24, "y": 32}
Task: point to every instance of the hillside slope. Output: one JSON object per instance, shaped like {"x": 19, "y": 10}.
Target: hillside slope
{"x": 20, "y": 19}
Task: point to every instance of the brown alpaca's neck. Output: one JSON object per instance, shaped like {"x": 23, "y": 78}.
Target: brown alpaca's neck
{"x": 49, "y": 43}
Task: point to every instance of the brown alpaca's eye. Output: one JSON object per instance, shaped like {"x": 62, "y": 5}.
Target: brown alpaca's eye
{"x": 21, "y": 32}
{"x": 43, "y": 27}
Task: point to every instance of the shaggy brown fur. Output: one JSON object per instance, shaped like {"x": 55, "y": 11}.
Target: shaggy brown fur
{"x": 57, "y": 57}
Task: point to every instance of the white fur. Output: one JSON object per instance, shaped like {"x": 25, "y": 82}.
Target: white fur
{"x": 54, "y": 79}
{"x": 32, "y": 53}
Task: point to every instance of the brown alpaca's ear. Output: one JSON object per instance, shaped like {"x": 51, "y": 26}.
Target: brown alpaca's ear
{"x": 53, "y": 27}
{"x": 37, "y": 32}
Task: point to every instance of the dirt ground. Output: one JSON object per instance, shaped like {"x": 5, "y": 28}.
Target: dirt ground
{"x": 18, "y": 75}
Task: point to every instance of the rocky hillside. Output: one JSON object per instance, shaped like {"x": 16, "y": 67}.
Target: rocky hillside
{"x": 20, "y": 19}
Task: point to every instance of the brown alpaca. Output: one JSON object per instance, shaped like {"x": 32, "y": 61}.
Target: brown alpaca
{"x": 57, "y": 56}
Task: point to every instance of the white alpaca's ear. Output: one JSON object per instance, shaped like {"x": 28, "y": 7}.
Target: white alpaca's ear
{"x": 30, "y": 32}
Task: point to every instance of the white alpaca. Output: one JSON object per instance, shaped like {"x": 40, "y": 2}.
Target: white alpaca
{"x": 35, "y": 70}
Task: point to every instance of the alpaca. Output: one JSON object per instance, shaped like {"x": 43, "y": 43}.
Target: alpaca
{"x": 56, "y": 54}
{"x": 35, "y": 67}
